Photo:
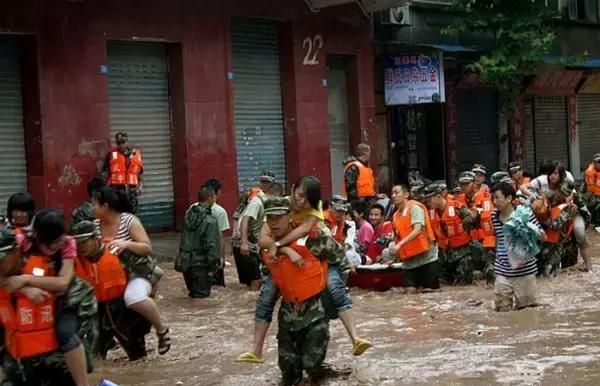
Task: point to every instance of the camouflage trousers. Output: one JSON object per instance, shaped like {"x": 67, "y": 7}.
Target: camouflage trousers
{"x": 549, "y": 259}
{"x": 129, "y": 327}
{"x": 489, "y": 257}
{"x": 50, "y": 369}
{"x": 457, "y": 264}
{"x": 44, "y": 370}
{"x": 302, "y": 350}
{"x": 570, "y": 253}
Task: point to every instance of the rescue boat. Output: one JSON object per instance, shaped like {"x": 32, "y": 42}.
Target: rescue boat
{"x": 378, "y": 277}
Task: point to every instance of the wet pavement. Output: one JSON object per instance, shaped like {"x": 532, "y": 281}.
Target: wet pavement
{"x": 448, "y": 338}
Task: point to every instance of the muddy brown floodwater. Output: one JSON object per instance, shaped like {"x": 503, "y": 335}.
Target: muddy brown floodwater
{"x": 444, "y": 338}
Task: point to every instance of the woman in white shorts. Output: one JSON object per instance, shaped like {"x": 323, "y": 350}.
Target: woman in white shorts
{"x": 126, "y": 233}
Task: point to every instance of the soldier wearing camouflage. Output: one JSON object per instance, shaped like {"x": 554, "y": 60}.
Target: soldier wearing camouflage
{"x": 115, "y": 319}
{"x": 456, "y": 264}
{"x": 198, "y": 256}
{"x": 303, "y": 327}
{"x": 49, "y": 369}
{"x": 551, "y": 254}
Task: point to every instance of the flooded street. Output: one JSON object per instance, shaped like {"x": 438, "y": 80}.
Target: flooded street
{"x": 448, "y": 338}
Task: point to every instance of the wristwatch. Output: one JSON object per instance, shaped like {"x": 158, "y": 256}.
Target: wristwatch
{"x": 277, "y": 244}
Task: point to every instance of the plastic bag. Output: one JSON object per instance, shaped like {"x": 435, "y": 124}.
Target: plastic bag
{"x": 521, "y": 237}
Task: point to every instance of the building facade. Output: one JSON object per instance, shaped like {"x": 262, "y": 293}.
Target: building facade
{"x": 205, "y": 89}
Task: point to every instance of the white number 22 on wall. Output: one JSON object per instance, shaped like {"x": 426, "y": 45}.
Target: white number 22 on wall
{"x": 312, "y": 46}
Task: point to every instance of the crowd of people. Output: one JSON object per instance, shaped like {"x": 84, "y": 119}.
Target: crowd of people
{"x": 71, "y": 293}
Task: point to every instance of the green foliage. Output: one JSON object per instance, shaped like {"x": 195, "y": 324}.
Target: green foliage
{"x": 523, "y": 33}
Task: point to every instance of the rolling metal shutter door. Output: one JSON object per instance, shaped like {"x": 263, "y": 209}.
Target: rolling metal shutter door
{"x": 588, "y": 126}
{"x": 551, "y": 134}
{"x": 139, "y": 105}
{"x": 258, "y": 104}
{"x": 13, "y": 171}
{"x": 530, "y": 165}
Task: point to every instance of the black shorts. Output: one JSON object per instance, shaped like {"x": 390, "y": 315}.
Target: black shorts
{"x": 425, "y": 276}
{"x": 248, "y": 267}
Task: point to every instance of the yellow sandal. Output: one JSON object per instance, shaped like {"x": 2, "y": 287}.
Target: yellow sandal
{"x": 250, "y": 357}
{"x": 360, "y": 346}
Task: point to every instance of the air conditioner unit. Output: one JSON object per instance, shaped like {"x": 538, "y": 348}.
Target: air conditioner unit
{"x": 395, "y": 16}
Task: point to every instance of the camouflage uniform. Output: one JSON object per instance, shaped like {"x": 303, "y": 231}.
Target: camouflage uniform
{"x": 198, "y": 256}
{"x": 50, "y": 369}
{"x": 457, "y": 264}
{"x": 115, "y": 319}
{"x": 302, "y": 339}
{"x": 591, "y": 200}
{"x": 85, "y": 212}
{"x": 549, "y": 258}
{"x": 303, "y": 333}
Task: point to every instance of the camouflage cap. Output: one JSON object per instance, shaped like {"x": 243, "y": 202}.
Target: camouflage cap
{"x": 498, "y": 177}
{"x": 514, "y": 167}
{"x": 566, "y": 188}
{"x": 466, "y": 177}
{"x": 276, "y": 206}
{"x": 267, "y": 175}
{"x": 479, "y": 168}
{"x": 84, "y": 230}
{"x": 121, "y": 135}
{"x": 596, "y": 157}
{"x": 442, "y": 184}
{"x": 432, "y": 189}
{"x": 339, "y": 203}
{"x": 8, "y": 242}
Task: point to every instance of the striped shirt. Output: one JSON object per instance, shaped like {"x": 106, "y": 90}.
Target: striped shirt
{"x": 502, "y": 265}
{"x": 124, "y": 229}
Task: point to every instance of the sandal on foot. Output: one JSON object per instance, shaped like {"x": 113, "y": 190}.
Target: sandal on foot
{"x": 164, "y": 342}
{"x": 249, "y": 357}
{"x": 360, "y": 346}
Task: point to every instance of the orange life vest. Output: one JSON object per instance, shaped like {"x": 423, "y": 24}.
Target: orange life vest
{"x": 120, "y": 173}
{"x": 111, "y": 278}
{"x": 524, "y": 180}
{"x": 336, "y": 227}
{"x": 451, "y": 221}
{"x": 298, "y": 284}
{"x": 29, "y": 327}
{"x": 365, "y": 185}
{"x": 436, "y": 225}
{"x": 461, "y": 197}
{"x": 402, "y": 223}
{"x": 592, "y": 180}
{"x": 85, "y": 270}
{"x": 554, "y": 236}
{"x": 486, "y": 234}
{"x": 253, "y": 193}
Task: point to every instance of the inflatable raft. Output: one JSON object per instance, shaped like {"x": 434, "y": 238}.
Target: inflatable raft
{"x": 378, "y": 277}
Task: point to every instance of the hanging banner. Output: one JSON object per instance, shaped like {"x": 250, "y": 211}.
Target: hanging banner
{"x": 414, "y": 79}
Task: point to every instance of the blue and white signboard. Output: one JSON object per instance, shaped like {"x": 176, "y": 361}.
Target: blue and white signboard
{"x": 413, "y": 79}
